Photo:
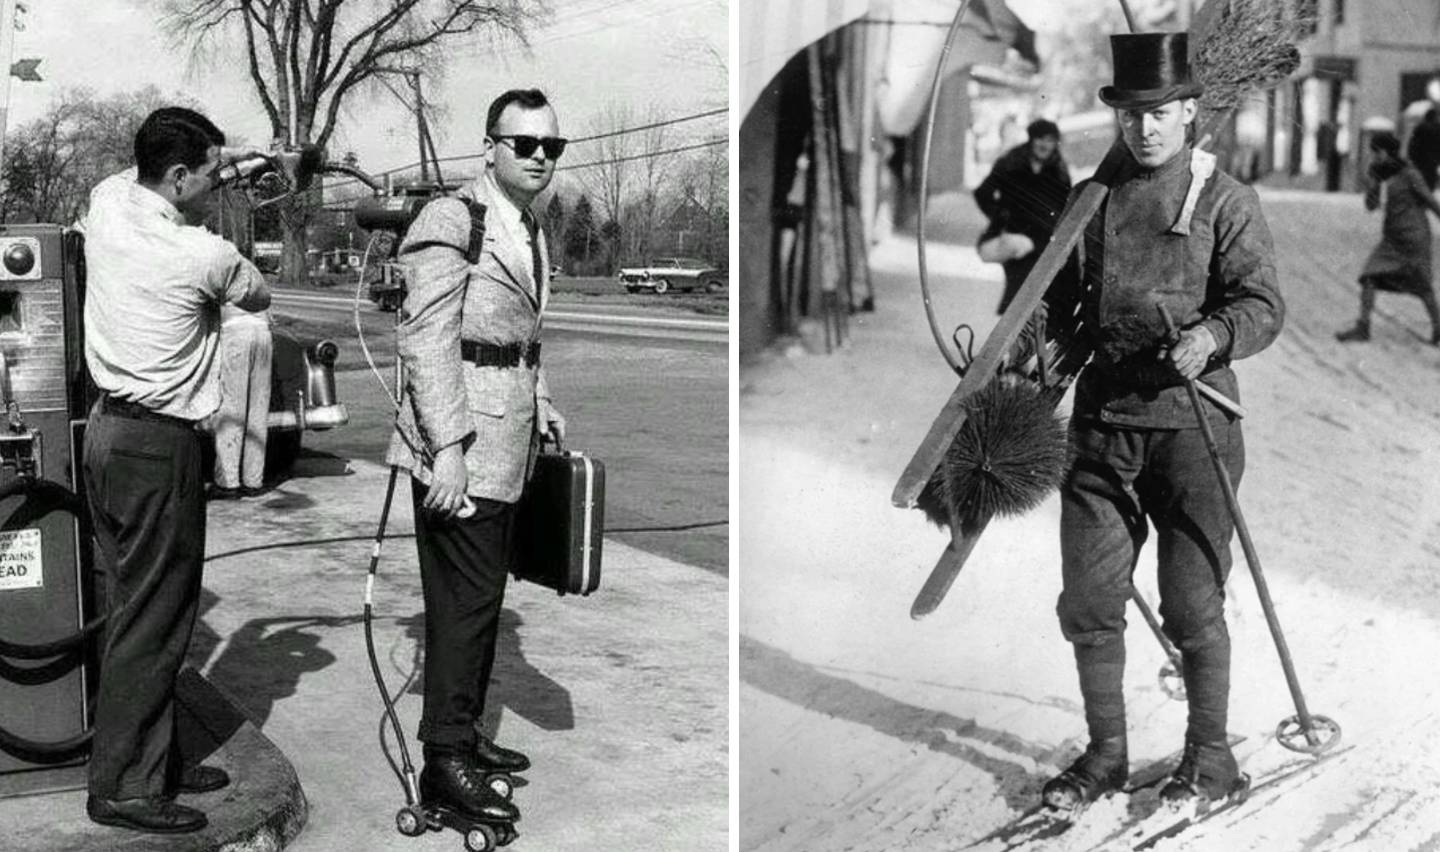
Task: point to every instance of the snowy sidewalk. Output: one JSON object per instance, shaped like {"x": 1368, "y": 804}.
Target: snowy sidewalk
{"x": 863, "y": 729}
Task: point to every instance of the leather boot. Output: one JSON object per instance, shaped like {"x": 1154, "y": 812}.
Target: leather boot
{"x": 1207, "y": 771}
{"x": 456, "y": 781}
{"x": 151, "y": 816}
{"x": 1103, "y": 768}
{"x": 495, "y": 758}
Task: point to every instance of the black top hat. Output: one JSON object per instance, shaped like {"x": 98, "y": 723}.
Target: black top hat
{"x": 1150, "y": 69}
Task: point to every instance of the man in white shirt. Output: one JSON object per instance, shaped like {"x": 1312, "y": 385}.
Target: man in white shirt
{"x": 155, "y": 284}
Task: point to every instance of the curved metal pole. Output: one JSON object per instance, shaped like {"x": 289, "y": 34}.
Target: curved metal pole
{"x": 925, "y": 186}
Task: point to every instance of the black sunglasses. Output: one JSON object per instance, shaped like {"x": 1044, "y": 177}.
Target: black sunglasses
{"x": 525, "y": 145}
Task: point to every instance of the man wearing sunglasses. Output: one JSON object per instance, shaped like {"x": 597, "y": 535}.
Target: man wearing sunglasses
{"x": 474, "y": 411}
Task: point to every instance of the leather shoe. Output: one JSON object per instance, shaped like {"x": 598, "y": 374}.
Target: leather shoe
{"x": 456, "y": 781}
{"x": 153, "y": 816}
{"x": 498, "y": 758}
{"x": 220, "y": 492}
{"x": 201, "y": 779}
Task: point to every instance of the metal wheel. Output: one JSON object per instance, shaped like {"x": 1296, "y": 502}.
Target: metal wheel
{"x": 713, "y": 286}
{"x": 409, "y": 823}
{"x": 1324, "y": 731}
{"x": 662, "y": 286}
{"x": 503, "y": 785}
{"x": 481, "y": 838}
{"x": 1172, "y": 682}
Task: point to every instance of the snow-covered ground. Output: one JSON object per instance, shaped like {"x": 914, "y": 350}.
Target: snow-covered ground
{"x": 862, "y": 729}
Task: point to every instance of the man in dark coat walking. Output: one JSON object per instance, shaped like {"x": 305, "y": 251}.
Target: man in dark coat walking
{"x": 1024, "y": 194}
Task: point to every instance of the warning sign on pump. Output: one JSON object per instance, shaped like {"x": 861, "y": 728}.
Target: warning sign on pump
{"x": 20, "y": 566}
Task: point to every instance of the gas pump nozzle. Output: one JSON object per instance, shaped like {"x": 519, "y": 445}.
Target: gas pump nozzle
{"x": 296, "y": 166}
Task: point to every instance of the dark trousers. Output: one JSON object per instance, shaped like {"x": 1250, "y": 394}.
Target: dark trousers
{"x": 143, "y": 485}
{"x": 1121, "y": 478}
{"x": 464, "y": 564}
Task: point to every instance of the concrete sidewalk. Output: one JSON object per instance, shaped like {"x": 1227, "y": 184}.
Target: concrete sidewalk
{"x": 620, "y": 699}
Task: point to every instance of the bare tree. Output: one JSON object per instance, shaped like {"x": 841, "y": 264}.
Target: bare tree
{"x": 78, "y": 141}
{"x": 308, "y": 58}
{"x": 654, "y": 169}
{"x": 705, "y": 184}
{"x": 609, "y": 178}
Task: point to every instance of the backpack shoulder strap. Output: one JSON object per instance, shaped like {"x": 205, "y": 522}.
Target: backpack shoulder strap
{"x": 477, "y": 230}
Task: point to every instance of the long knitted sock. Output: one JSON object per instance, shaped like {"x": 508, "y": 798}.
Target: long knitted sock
{"x": 1102, "y": 678}
{"x": 1207, "y": 688}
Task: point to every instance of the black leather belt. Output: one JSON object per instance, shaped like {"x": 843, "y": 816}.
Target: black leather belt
{"x": 135, "y": 411}
{"x": 500, "y": 355}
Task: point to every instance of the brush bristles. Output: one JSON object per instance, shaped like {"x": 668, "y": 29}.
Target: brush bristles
{"x": 1250, "y": 49}
{"x": 1009, "y": 456}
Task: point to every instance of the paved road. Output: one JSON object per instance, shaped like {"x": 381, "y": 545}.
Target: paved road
{"x": 569, "y": 315}
{"x": 645, "y": 393}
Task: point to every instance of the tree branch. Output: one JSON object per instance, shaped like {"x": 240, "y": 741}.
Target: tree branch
{"x": 373, "y": 32}
{"x": 253, "y": 57}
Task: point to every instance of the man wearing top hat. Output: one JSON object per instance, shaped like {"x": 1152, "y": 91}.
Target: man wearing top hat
{"x": 1174, "y": 231}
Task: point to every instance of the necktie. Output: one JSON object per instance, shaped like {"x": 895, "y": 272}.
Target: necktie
{"x": 533, "y": 229}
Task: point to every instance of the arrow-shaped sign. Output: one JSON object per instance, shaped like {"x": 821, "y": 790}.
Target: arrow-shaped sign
{"x": 24, "y": 69}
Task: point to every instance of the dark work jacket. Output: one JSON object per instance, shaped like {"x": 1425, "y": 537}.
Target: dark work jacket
{"x": 1022, "y": 201}
{"x": 1221, "y": 275}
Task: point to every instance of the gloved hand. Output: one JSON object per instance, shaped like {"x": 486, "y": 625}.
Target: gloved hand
{"x": 1191, "y": 352}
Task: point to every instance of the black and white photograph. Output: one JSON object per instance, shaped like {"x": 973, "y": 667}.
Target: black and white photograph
{"x": 1088, "y": 426}
{"x": 364, "y": 481}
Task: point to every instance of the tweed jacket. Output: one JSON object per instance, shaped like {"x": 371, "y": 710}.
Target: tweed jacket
{"x": 1221, "y": 275}
{"x": 490, "y": 410}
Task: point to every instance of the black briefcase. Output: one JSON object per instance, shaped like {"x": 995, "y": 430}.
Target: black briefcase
{"x": 560, "y": 523}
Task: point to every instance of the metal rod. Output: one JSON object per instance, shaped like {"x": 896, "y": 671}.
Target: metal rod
{"x": 925, "y": 186}
{"x": 1149, "y": 615}
{"x": 1251, "y": 557}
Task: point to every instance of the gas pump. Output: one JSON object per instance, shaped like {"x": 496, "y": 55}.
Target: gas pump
{"x": 47, "y": 602}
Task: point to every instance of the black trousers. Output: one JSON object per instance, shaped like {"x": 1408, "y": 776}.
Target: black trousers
{"x": 143, "y": 485}
{"x": 464, "y": 564}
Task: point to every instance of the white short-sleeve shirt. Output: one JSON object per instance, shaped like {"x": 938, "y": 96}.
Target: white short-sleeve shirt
{"x": 154, "y": 287}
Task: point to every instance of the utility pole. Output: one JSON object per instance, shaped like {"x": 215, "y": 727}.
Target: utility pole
{"x": 422, "y": 130}
{"x": 24, "y": 69}
{"x": 7, "y": 54}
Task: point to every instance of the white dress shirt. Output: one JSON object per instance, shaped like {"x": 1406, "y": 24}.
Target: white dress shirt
{"x": 153, "y": 290}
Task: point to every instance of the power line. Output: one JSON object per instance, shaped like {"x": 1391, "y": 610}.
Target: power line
{"x": 615, "y": 160}
{"x": 721, "y": 140}
{"x": 607, "y": 26}
{"x": 621, "y": 132}
{"x": 665, "y": 123}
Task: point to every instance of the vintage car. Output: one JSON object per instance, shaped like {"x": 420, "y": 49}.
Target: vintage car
{"x": 302, "y": 397}
{"x": 673, "y": 273}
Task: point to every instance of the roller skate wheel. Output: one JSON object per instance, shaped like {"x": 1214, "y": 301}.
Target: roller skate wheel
{"x": 481, "y": 838}
{"x": 503, "y": 785}
{"x": 409, "y": 823}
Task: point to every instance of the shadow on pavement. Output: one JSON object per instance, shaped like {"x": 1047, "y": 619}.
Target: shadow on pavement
{"x": 777, "y": 673}
{"x": 515, "y": 684}
{"x": 316, "y": 463}
{"x": 265, "y": 659}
